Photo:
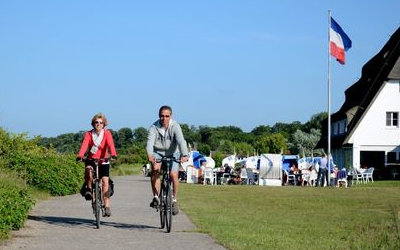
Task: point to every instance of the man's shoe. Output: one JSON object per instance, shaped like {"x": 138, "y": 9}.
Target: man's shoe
{"x": 107, "y": 212}
{"x": 155, "y": 202}
{"x": 88, "y": 195}
{"x": 175, "y": 208}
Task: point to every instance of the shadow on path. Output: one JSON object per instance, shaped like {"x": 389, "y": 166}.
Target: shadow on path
{"x": 68, "y": 221}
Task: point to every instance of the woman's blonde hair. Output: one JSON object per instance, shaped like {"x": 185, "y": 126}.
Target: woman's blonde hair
{"x": 99, "y": 116}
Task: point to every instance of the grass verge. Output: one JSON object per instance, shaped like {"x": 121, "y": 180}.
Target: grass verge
{"x": 126, "y": 169}
{"x": 254, "y": 217}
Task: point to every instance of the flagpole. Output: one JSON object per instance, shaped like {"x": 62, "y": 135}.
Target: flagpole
{"x": 329, "y": 99}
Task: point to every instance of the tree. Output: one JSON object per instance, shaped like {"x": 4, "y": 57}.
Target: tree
{"x": 125, "y": 137}
{"x": 261, "y": 130}
{"x": 306, "y": 142}
{"x": 204, "y": 149}
{"x": 243, "y": 149}
{"x": 140, "y": 135}
{"x": 274, "y": 143}
{"x": 315, "y": 122}
{"x": 191, "y": 134}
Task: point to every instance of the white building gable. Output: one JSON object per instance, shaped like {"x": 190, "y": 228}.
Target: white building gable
{"x": 372, "y": 132}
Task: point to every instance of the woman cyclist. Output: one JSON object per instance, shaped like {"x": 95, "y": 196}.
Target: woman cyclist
{"x": 99, "y": 141}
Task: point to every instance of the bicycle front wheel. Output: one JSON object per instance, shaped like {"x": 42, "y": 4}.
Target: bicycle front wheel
{"x": 161, "y": 206}
{"x": 168, "y": 206}
{"x": 97, "y": 196}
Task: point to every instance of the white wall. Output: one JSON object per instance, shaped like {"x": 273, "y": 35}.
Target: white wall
{"x": 372, "y": 134}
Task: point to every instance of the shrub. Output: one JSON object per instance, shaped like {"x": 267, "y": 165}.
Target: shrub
{"x": 44, "y": 168}
{"x": 57, "y": 173}
{"x": 14, "y": 203}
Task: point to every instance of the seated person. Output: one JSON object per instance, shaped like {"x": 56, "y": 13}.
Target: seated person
{"x": 227, "y": 169}
{"x": 235, "y": 178}
{"x": 295, "y": 170}
{"x": 203, "y": 165}
{"x": 285, "y": 171}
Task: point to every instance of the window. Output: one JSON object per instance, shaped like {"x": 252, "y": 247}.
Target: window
{"x": 392, "y": 119}
{"x": 391, "y": 157}
{"x": 339, "y": 127}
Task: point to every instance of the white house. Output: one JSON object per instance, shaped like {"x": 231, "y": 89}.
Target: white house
{"x": 365, "y": 131}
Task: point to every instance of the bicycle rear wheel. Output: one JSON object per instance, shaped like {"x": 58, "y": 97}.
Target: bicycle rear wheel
{"x": 97, "y": 196}
{"x": 161, "y": 206}
{"x": 168, "y": 206}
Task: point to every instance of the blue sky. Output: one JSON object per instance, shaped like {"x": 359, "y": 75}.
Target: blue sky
{"x": 241, "y": 63}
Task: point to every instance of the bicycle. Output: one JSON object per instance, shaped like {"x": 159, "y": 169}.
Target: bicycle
{"x": 165, "y": 193}
{"x": 97, "y": 193}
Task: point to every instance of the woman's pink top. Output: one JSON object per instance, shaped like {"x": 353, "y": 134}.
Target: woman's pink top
{"x": 107, "y": 144}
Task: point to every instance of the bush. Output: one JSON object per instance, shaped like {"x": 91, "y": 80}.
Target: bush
{"x": 14, "y": 203}
{"x": 56, "y": 173}
{"x": 44, "y": 168}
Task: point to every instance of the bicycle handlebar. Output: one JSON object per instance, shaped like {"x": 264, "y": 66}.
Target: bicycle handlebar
{"x": 168, "y": 159}
{"x": 97, "y": 160}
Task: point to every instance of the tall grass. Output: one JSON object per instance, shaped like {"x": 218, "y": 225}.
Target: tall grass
{"x": 254, "y": 217}
{"x": 126, "y": 169}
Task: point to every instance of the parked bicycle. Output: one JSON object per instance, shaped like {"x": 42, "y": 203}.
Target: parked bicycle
{"x": 166, "y": 192}
{"x": 97, "y": 192}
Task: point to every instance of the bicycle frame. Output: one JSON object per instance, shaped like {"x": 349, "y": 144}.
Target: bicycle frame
{"x": 97, "y": 194}
{"x": 165, "y": 192}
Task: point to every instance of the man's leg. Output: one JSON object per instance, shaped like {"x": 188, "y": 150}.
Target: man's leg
{"x": 319, "y": 178}
{"x": 155, "y": 184}
{"x": 175, "y": 183}
{"x": 323, "y": 177}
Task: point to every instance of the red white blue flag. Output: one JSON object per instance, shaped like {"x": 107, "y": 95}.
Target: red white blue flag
{"x": 339, "y": 42}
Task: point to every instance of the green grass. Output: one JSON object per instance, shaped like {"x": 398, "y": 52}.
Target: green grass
{"x": 126, "y": 169}
{"x": 365, "y": 216}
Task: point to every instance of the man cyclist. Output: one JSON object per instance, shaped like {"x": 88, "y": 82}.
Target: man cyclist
{"x": 99, "y": 141}
{"x": 165, "y": 138}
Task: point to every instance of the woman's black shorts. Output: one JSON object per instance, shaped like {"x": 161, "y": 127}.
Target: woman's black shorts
{"x": 104, "y": 169}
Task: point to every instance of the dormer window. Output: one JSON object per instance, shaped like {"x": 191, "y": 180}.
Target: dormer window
{"x": 392, "y": 119}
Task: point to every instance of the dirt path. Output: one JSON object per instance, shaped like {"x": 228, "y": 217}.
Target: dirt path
{"x": 68, "y": 223}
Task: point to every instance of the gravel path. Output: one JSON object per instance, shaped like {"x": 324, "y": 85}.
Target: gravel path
{"x": 68, "y": 223}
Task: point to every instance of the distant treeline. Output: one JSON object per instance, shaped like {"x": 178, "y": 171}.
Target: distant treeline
{"x": 289, "y": 138}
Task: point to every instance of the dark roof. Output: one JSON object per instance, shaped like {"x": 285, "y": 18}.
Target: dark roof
{"x": 382, "y": 67}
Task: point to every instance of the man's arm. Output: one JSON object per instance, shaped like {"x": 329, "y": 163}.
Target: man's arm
{"x": 151, "y": 138}
{"x": 181, "y": 141}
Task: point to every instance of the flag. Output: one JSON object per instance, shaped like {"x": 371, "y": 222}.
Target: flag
{"x": 339, "y": 41}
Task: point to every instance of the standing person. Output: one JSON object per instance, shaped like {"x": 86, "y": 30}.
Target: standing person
{"x": 323, "y": 172}
{"x": 99, "y": 141}
{"x": 165, "y": 137}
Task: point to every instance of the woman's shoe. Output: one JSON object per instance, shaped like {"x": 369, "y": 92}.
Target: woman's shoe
{"x": 107, "y": 212}
{"x": 88, "y": 195}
